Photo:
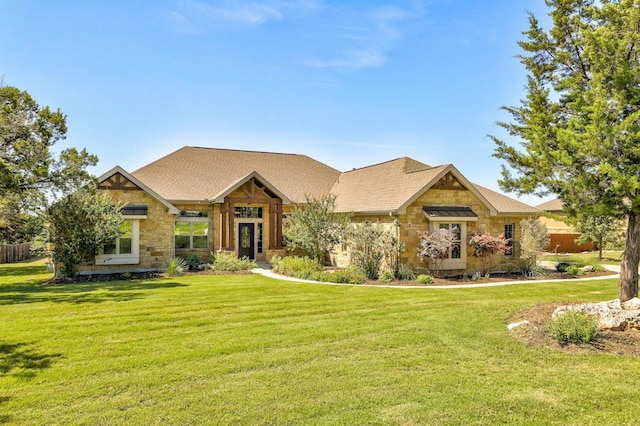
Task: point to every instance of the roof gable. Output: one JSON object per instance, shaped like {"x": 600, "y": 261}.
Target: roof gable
{"x": 118, "y": 178}
{"x": 257, "y": 182}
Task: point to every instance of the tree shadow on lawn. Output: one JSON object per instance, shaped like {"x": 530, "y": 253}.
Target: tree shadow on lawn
{"x": 21, "y": 361}
{"x": 76, "y": 293}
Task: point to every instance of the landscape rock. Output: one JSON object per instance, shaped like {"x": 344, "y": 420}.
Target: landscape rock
{"x": 612, "y": 315}
{"x": 588, "y": 268}
{"x": 517, "y": 324}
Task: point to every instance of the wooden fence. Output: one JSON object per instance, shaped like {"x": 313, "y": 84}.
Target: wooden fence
{"x": 12, "y": 253}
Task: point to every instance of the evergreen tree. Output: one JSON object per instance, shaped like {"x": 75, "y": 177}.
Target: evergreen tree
{"x": 579, "y": 123}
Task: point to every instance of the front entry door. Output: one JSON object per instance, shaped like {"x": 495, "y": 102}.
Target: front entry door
{"x": 246, "y": 240}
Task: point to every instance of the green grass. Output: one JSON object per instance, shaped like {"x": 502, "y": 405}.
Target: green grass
{"x": 251, "y": 350}
{"x": 586, "y": 258}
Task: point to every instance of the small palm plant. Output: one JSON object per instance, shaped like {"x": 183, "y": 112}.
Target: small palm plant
{"x": 176, "y": 267}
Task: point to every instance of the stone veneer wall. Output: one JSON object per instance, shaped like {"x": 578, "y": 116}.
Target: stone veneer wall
{"x": 156, "y": 233}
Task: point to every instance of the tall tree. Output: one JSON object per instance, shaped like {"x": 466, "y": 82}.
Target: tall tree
{"x": 30, "y": 172}
{"x": 579, "y": 123}
{"x": 316, "y": 228}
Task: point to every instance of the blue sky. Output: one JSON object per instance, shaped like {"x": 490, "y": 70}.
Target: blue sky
{"x": 349, "y": 83}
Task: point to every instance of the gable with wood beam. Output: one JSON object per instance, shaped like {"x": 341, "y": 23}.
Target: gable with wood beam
{"x": 251, "y": 190}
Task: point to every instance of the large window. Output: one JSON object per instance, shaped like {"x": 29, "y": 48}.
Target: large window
{"x": 192, "y": 233}
{"x": 456, "y": 229}
{"x": 457, "y": 257}
{"x": 124, "y": 250}
{"x": 121, "y": 245}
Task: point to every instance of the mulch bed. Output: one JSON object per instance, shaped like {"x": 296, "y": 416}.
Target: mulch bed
{"x": 535, "y": 333}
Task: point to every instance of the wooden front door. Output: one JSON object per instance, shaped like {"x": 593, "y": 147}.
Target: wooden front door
{"x": 246, "y": 240}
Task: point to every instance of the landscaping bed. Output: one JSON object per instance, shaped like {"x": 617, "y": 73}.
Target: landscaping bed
{"x": 536, "y": 333}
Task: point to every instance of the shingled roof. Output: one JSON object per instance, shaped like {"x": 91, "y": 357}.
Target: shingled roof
{"x": 382, "y": 187}
{"x": 554, "y": 205}
{"x": 197, "y": 174}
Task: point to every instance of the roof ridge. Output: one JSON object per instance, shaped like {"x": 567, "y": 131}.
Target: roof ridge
{"x": 243, "y": 150}
{"x": 404, "y": 158}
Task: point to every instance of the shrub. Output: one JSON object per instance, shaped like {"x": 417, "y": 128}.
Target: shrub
{"x": 405, "y": 272}
{"x": 574, "y": 270}
{"x": 230, "y": 263}
{"x": 574, "y": 327}
{"x": 562, "y": 267}
{"x": 193, "y": 261}
{"x": 176, "y": 267}
{"x": 437, "y": 245}
{"x": 350, "y": 275}
{"x": 295, "y": 266}
{"x": 371, "y": 246}
{"x": 528, "y": 266}
{"x": 486, "y": 247}
{"x": 424, "y": 279}
{"x": 386, "y": 277}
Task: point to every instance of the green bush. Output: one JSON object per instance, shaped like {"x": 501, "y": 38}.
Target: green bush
{"x": 193, "y": 261}
{"x": 574, "y": 327}
{"x": 424, "y": 279}
{"x": 230, "y": 263}
{"x": 386, "y": 277}
{"x": 294, "y": 266}
{"x": 405, "y": 272}
{"x": 574, "y": 270}
{"x": 562, "y": 267}
{"x": 350, "y": 275}
{"x": 176, "y": 267}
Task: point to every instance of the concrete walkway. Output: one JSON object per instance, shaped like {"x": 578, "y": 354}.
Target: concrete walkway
{"x": 265, "y": 269}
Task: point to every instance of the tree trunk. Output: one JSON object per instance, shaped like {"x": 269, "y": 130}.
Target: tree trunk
{"x": 628, "y": 287}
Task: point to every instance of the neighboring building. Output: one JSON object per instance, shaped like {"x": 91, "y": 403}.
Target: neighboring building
{"x": 207, "y": 201}
{"x": 562, "y": 235}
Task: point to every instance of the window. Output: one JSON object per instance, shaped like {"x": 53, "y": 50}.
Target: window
{"x": 248, "y": 212}
{"x": 125, "y": 249}
{"x": 456, "y": 230}
{"x": 192, "y": 233}
{"x": 457, "y": 258}
{"x": 509, "y": 230}
{"x": 121, "y": 245}
{"x": 259, "y": 237}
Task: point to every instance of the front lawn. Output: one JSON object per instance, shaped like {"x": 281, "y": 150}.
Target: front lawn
{"x": 252, "y": 350}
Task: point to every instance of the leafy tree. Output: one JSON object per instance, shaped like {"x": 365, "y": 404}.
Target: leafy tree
{"x": 486, "y": 247}
{"x": 605, "y": 231}
{"x": 29, "y": 171}
{"x": 80, "y": 225}
{"x": 436, "y": 246}
{"x": 316, "y": 227}
{"x": 371, "y": 246}
{"x": 579, "y": 123}
{"x": 534, "y": 239}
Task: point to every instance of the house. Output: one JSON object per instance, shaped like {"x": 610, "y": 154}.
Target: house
{"x": 207, "y": 200}
{"x": 562, "y": 235}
